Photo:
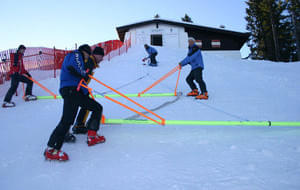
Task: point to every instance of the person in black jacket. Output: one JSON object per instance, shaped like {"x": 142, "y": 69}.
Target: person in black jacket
{"x": 80, "y": 125}
{"x": 93, "y": 63}
{"x": 74, "y": 96}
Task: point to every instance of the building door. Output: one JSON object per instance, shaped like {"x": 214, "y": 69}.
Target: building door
{"x": 156, "y": 40}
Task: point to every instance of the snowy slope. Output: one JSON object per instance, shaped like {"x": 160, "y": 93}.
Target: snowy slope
{"x": 170, "y": 157}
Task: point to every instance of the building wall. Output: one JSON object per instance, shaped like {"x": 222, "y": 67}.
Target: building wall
{"x": 176, "y": 36}
{"x": 173, "y": 36}
{"x": 228, "y": 42}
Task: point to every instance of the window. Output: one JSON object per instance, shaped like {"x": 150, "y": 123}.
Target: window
{"x": 216, "y": 44}
{"x": 156, "y": 40}
{"x": 199, "y": 43}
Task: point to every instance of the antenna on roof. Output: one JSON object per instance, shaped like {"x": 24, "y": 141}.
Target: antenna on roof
{"x": 157, "y": 16}
{"x": 222, "y": 26}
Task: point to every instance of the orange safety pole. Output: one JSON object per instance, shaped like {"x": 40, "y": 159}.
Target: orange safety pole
{"x": 90, "y": 92}
{"x": 88, "y": 88}
{"x": 117, "y": 102}
{"x": 161, "y": 79}
{"x": 54, "y": 63}
{"x": 31, "y": 55}
{"x": 78, "y": 87}
{"x": 48, "y": 54}
{"x": 43, "y": 87}
{"x": 103, "y": 118}
{"x": 175, "y": 92}
{"x": 163, "y": 120}
{"x": 23, "y": 90}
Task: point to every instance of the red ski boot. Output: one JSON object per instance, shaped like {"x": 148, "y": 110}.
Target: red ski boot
{"x": 93, "y": 138}
{"x": 53, "y": 154}
{"x": 202, "y": 96}
{"x": 194, "y": 92}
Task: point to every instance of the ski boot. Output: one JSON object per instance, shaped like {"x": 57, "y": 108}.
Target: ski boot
{"x": 93, "y": 138}
{"x": 8, "y": 104}
{"x": 193, "y": 93}
{"x": 153, "y": 64}
{"x": 28, "y": 98}
{"x": 70, "y": 138}
{"x": 53, "y": 154}
{"x": 202, "y": 96}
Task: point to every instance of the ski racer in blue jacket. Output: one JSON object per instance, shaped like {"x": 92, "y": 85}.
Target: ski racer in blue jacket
{"x": 74, "y": 96}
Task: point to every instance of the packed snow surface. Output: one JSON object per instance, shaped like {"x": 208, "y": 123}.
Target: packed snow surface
{"x": 166, "y": 157}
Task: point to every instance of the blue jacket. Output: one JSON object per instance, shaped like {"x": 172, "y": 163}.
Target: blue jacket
{"x": 72, "y": 71}
{"x": 151, "y": 51}
{"x": 194, "y": 58}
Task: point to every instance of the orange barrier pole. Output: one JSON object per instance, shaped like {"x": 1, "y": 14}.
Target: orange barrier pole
{"x": 43, "y": 87}
{"x": 31, "y": 55}
{"x": 48, "y": 54}
{"x": 79, "y": 85}
{"x": 132, "y": 110}
{"x": 115, "y": 101}
{"x": 162, "y": 119}
{"x": 88, "y": 88}
{"x": 103, "y": 119}
{"x": 175, "y": 93}
{"x": 161, "y": 79}
{"x": 90, "y": 92}
{"x": 23, "y": 90}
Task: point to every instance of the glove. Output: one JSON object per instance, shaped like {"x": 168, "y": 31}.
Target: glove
{"x": 180, "y": 65}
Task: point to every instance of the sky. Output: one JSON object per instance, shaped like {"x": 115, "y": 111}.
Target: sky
{"x": 62, "y": 23}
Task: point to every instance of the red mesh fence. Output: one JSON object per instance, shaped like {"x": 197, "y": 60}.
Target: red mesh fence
{"x": 44, "y": 63}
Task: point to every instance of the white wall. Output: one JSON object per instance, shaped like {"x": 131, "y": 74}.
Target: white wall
{"x": 173, "y": 36}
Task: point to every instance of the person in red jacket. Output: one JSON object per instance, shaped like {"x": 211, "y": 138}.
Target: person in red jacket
{"x": 18, "y": 74}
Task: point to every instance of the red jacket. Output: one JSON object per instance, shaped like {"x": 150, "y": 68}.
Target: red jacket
{"x": 16, "y": 64}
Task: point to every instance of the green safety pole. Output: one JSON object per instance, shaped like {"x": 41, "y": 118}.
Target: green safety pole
{"x": 205, "y": 123}
{"x": 115, "y": 95}
{"x": 47, "y": 97}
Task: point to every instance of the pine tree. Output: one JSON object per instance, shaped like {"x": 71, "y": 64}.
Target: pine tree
{"x": 294, "y": 13}
{"x": 186, "y": 18}
{"x": 257, "y": 41}
{"x": 270, "y": 28}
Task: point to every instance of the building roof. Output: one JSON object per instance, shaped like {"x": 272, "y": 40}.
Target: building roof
{"x": 123, "y": 29}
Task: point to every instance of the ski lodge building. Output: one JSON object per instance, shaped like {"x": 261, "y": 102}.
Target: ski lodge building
{"x": 159, "y": 32}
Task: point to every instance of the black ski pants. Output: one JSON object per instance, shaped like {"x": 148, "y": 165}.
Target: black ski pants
{"x": 15, "y": 80}
{"x": 153, "y": 58}
{"x": 72, "y": 101}
{"x": 196, "y": 75}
